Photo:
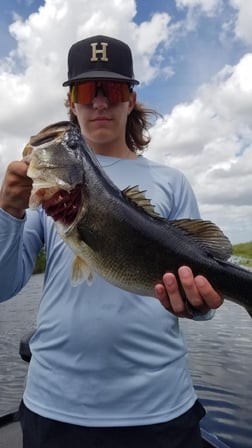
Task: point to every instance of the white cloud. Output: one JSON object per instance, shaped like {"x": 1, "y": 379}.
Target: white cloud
{"x": 210, "y": 140}
{"x": 147, "y": 37}
{"x": 207, "y": 6}
{"x": 195, "y": 10}
{"x": 243, "y": 20}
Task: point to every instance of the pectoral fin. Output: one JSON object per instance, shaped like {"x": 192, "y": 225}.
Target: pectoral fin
{"x": 81, "y": 272}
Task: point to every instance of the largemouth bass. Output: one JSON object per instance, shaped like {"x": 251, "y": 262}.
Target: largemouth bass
{"x": 117, "y": 234}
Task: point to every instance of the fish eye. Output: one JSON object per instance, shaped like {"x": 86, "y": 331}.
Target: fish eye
{"x": 72, "y": 143}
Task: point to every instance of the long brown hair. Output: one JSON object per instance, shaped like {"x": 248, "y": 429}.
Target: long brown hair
{"x": 137, "y": 128}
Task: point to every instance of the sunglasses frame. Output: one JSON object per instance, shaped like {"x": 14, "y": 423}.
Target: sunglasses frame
{"x": 114, "y": 91}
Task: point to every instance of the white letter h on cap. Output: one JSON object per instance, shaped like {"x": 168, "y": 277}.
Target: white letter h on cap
{"x": 102, "y": 52}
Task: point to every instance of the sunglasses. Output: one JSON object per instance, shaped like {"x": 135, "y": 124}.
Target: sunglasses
{"x": 115, "y": 92}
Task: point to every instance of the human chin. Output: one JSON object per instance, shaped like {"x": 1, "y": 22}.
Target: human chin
{"x": 100, "y": 135}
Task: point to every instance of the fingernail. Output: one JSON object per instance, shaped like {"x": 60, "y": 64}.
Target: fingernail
{"x": 200, "y": 281}
{"x": 184, "y": 272}
{"x": 168, "y": 279}
{"x": 158, "y": 289}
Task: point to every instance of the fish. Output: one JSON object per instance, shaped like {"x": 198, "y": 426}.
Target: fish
{"x": 116, "y": 233}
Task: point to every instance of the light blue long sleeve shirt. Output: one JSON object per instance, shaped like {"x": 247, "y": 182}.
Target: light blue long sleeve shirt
{"x": 101, "y": 356}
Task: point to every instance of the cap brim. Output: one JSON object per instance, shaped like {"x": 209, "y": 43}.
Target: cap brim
{"x": 109, "y": 76}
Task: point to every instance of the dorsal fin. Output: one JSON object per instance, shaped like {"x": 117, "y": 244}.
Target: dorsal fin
{"x": 138, "y": 197}
{"x": 208, "y": 234}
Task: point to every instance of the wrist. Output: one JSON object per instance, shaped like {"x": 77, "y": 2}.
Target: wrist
{"x": 16, "y": 213}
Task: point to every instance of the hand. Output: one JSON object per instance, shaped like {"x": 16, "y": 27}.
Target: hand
{"x": 16, "y": 189}
{"x": 198, "y": 291}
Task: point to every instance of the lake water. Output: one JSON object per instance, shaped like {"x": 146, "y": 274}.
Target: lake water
{"x": 219, "y": 353}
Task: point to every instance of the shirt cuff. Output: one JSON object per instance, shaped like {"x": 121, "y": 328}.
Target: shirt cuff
{"x": 201, "y": 317}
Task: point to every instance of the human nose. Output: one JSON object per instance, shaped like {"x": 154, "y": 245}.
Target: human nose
{"x": 100, "y": 101}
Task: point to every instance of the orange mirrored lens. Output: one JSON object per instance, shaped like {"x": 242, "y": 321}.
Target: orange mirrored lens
{"x": 115, "y": 92}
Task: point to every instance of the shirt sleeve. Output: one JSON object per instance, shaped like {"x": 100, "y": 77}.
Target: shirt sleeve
{"x": 184, "y": 201}
{"x": 20, "y": 242}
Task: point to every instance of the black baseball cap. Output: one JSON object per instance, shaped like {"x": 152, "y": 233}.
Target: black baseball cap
{"x": 100, "y": 57}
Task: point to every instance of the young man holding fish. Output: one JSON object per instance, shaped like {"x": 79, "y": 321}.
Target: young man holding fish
{"x": 109, "y": 367}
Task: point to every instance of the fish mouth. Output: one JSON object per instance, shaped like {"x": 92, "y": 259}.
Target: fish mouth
{"x": 62, "y": 205}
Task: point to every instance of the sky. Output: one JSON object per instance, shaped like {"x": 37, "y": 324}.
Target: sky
{"x": 194, "y": 61}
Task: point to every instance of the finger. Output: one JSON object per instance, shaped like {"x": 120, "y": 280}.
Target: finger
{"x": 19, "y": 168}
{"x": 190, "y": 288}
{"x": 176, "y": 302}
{"x": 162, "y": 296}
{"x": 211, "y": 297}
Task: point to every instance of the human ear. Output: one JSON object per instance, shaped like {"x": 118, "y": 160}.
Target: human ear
{"x": 69, "y": 103}
{"x": 132, "y": 102}
{"x": 73, "y": 108}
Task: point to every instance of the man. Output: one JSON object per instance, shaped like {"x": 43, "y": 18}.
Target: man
{"x": 108, "y": 368}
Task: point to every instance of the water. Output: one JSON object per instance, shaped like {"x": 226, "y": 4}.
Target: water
{"x": 17, "y": 318}
{"x": 219, "y": 355}
{"x": 221, "y": 365}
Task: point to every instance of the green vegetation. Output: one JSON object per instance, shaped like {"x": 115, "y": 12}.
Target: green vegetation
{"x": 244, "y": 250}
{"x": 40, "y": 262}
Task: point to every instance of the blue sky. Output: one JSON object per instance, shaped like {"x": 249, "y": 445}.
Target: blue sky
{"x": 189, "y": 55}
{"x": 8, "y": 8}
{"x": 194, "y": 61}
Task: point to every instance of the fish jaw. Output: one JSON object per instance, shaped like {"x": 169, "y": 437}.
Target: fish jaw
{"x": 44, "y": 189}
{"x": 54, "y": 168}
{"x": 55, "y": 165}
{"x": 63, "y": 206}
